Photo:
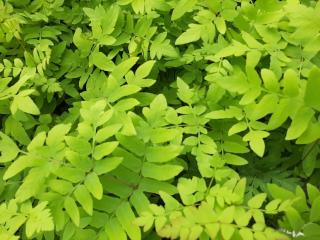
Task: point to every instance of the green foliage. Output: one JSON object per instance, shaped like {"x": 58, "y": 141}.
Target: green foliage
{"x": 149, "y": 119}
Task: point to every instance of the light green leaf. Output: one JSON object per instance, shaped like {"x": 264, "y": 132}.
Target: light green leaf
{"x": 291, "y": 83}
{"x": 160, "y": 172}
{"x": 107, "y": 132}
{"x": 82, "y": 195}
{"x": 181, "y": 8}
{"x": 120, "y": 70}
{"x": 299, "y": 123}
{"x": 126, "y": 217}
{"x": 72, "y": 210}
{"x": 315, "y": 210}
{"x": 94, "y": 185}
{"x": 57, "y": 133}
{"x": 114, "y": 229}
{"x": 101, "y": 61}
{"x": 104, "y": 149}
{"x": 192, "y": 34}
{"x": 238, "y": 127}
{"x": 162, "y": 154}
{"x": 25, "y": 104}
{"x": 8, "y": 149}
{"x": 234, "y": 159}
{"x": 144, "y": 69}
{"x": 221, "y": 25}
{"x": 107, "y": 165}
{"x": 123, "y": 91}
{"x": 311, "y": 96}
{"x": 270, "y": 80}
{"x": 257, "y": 200}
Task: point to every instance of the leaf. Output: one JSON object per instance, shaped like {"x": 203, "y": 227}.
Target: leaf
{"x": 8, "y": 148}
{"x": 72, "y": 210}
{"x": 291, "y": 83}
{"x": 315, "y": 210}
{"x": 144, "y": 69}
{"x": 126, "y": 217}
{"x": 82, "y": 195}
{"x": 181, "y": 8}
{"x": 25, "y": 104}
{"x": 299, "y": 123}
{"x": 257, "y": 200}
{"x": 101, "y": 61}
{"x": 220, "y": 24}
{"x": 256, "y": 142}
{"x": 104, "y": 149}
{"x": 160, "y": 172}
{"x": 107, "y": 165}
{"x": 107, "y": 132}
{"x": 294, "y": 218}
{"x": 114, "y": 230}
{"x": 71, "y": 174}
{"x": 227, "y": 231}
{"x": 279, "y": 192}
{"x": 234, "y": 159}
{"x": 253, "y": 58}
{"x": 162, "y": 154}
{"x": 270, "y": 80}
{"x": 120, "y": 70}
{"x": 246, "y": 234}
{"x": 311, "y": 96}
{"x": 17, "y": 166}
{"x": 57, "y": 133}
{"x": 123, "y": 91}
{"x": 94, "y": 186}
{"x": 191, "y": 35}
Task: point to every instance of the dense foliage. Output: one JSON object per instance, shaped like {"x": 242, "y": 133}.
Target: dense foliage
{"x": 150, "y": 119}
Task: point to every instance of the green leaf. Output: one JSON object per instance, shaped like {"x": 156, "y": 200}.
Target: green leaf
{"x": 123, "y": 91}
{"x": 107, "y": 132}
{"x": 220, "y": 24}
{"x": 126, "y": 217}
{"x": 162, "y": 154}
{"x": 270, "y": 80}
{"x": 17, "y": 166}
{"x": 8, "y": 149}
{"x": 315, "y": 210}
{"x": 291, "y": 83}
{"x": 25, "y": 104}
{"x": 256, "y": 142}
{"x": 120, "y": 70}
{"x": 246, "y": 234}
{"x": 311, "y": 96}
{"x": 257, "y": 200}
{"x": 57, "y": 133}
{"x": 227, "y": 231}
{"x": 71, "y": 174}
{"x": 107, "y": 165}
{"x": 72, "y": 210}
{"x": 160, "y": 172}
{"x": 94, "y": 185}
{"x": 144, "y": 69}
{"x": 114, "y": 230}
{"x": 181, "y": 8}
{"x": 294, "y": 219}
{"x": 82, "y": 195}
{"x": 234, "y": 159}
{"x": 279, "y": 192}
{"x": 104, "y": 149}
{"x": 101, "y": 61}
{"x": 299, "y": 123}
{"x": 191, "y": 35}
